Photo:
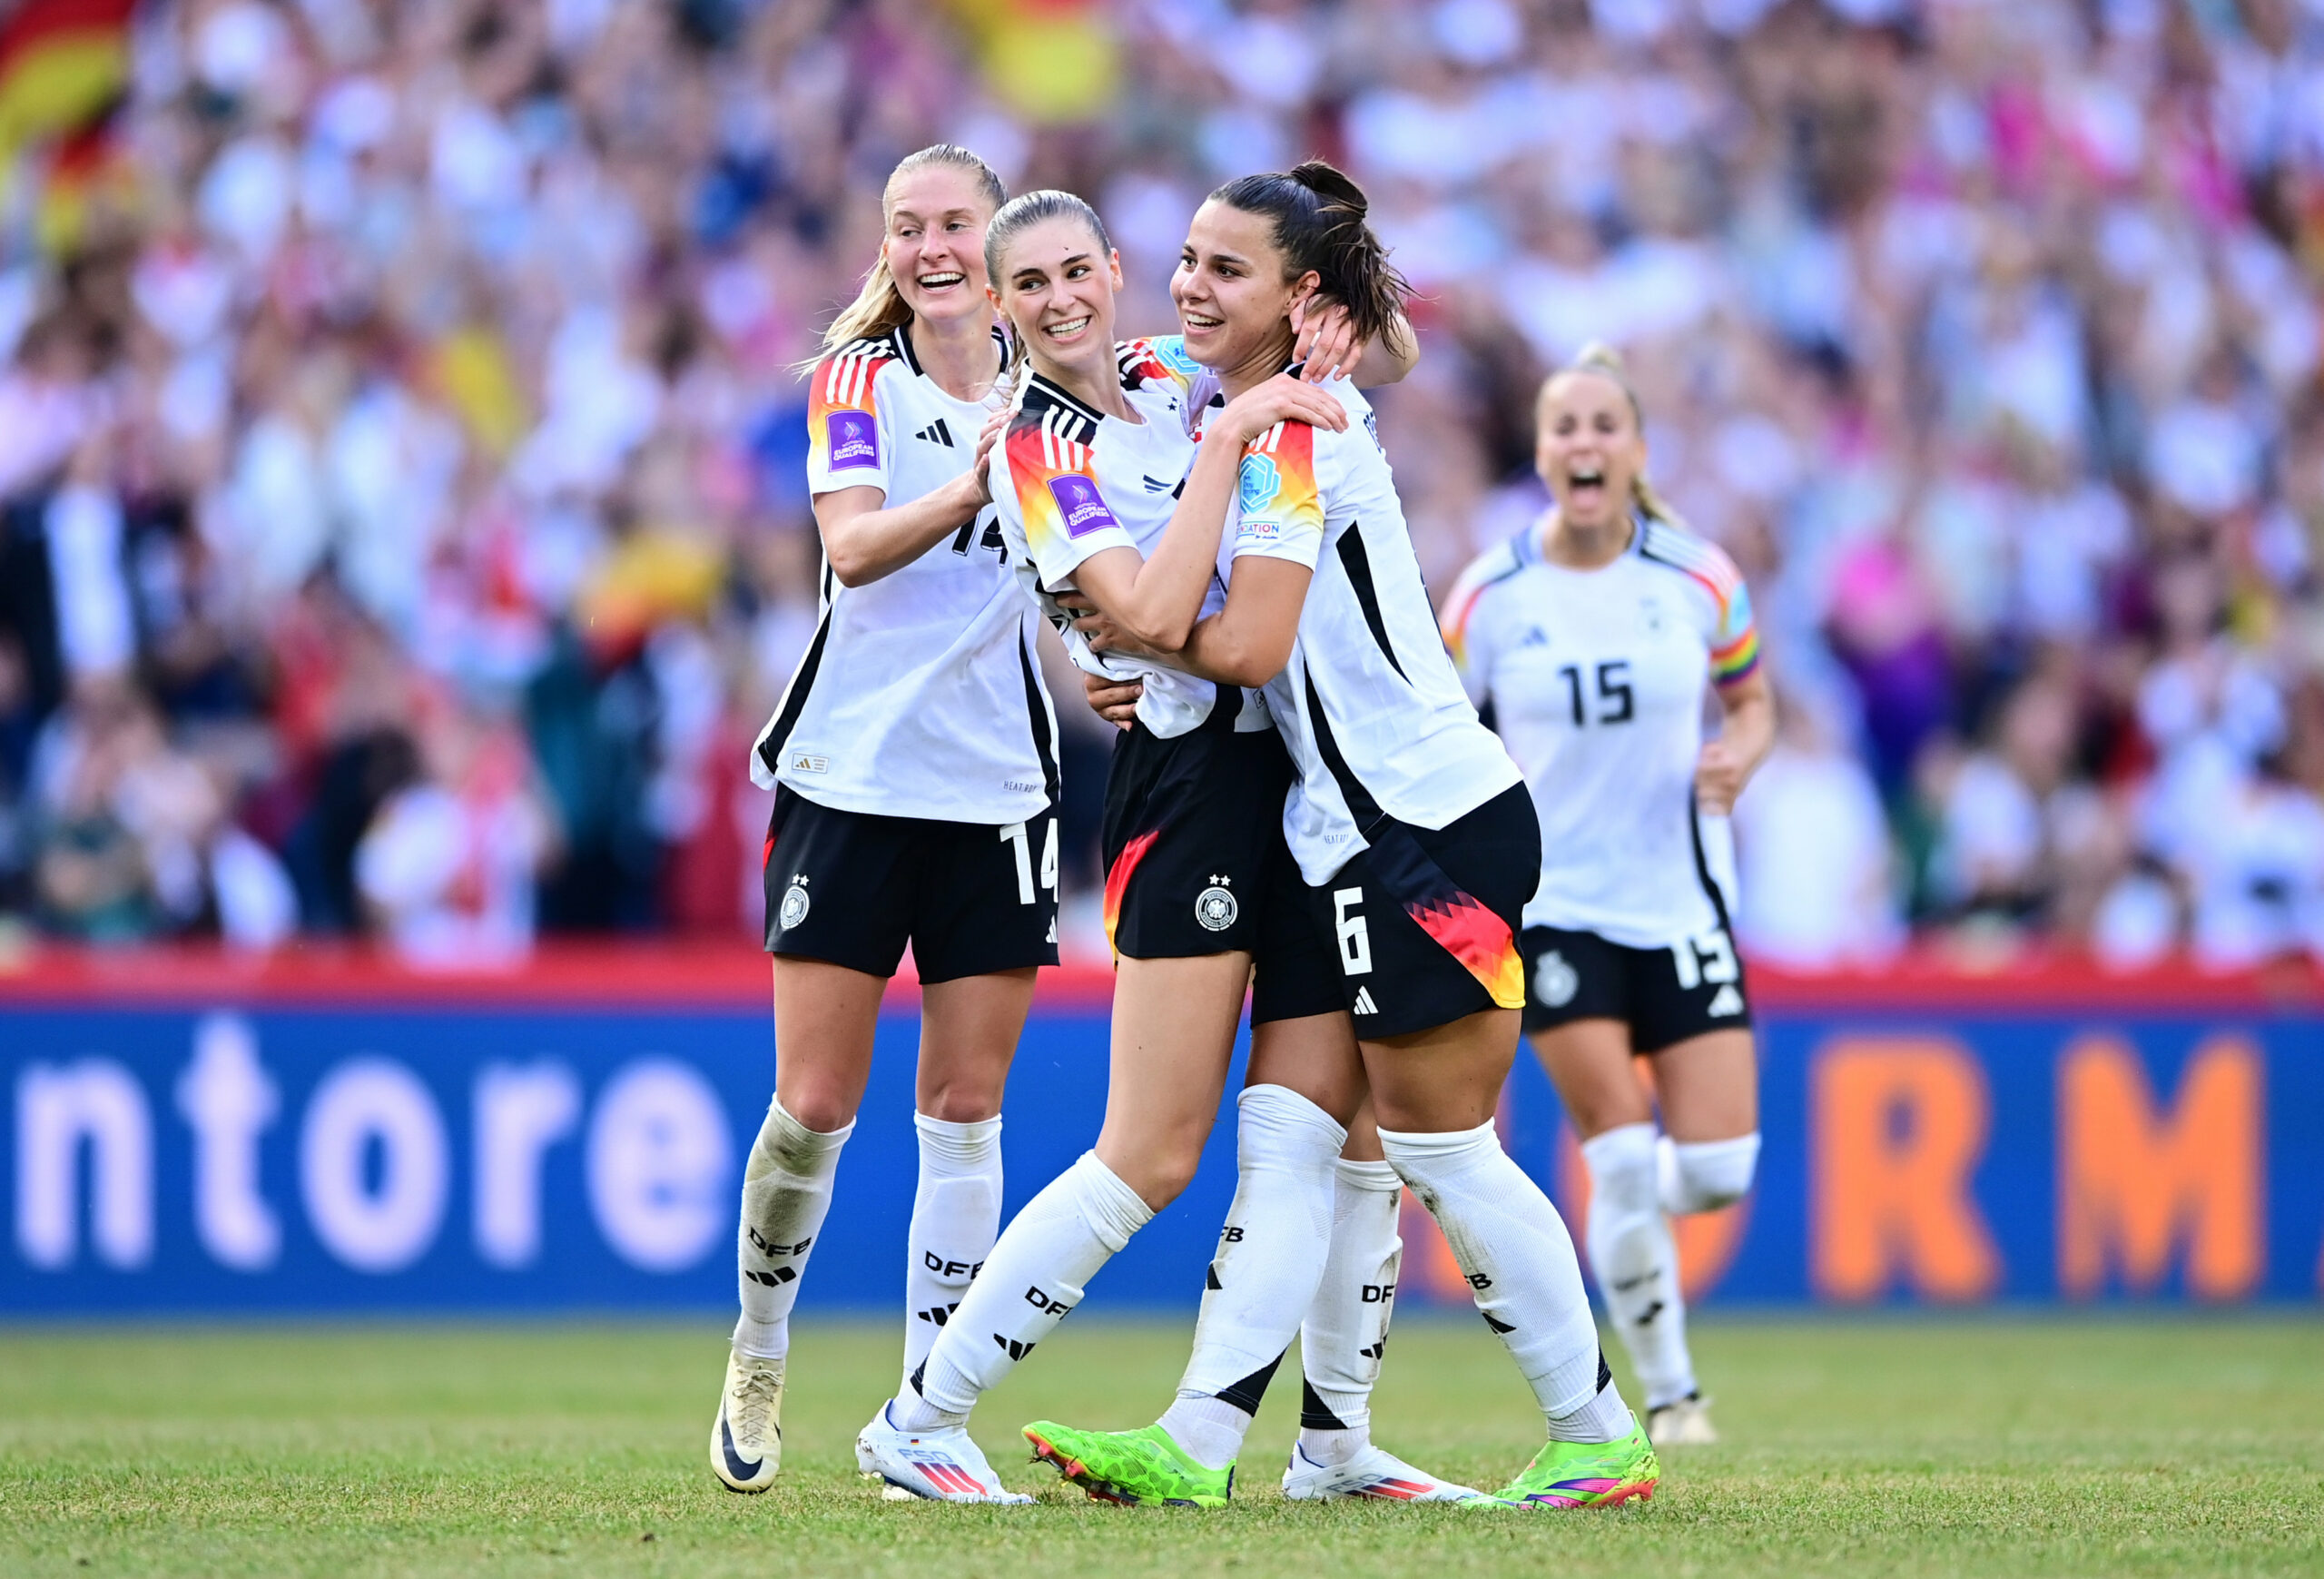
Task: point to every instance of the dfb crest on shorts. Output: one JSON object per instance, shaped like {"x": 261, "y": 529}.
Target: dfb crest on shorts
{"x": 794, "y": 907}
{"x": 1216, "y": 909}
{"x": 1554, "y": 981}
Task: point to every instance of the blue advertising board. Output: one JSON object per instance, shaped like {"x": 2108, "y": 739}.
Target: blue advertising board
{"x": 400, "y": 1156}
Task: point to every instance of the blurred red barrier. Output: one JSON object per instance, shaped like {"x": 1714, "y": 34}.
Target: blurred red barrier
{"x": 666, "y": 972}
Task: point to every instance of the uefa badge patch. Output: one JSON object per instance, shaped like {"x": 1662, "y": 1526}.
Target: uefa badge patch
{"x": 853, "y": 440}
{"x": 1081, "y": 506}
{"x": 794, "y": 907}
{"x": 1554, "y": 981}
{"x": 1216, "y": 909}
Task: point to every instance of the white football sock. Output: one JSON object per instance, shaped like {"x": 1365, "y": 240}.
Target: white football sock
{"x": 1637, "y": 1265}
{"x": 1705, "y": 1175}
{"x": 955, "y": 1214}
{"x": 1270, "y": 1258}
{"x": 1347, "y": 1332}
{"x": 1032, "y": 1281}
{"x": 1519, "y": 1259}
{"x": 786, "y": 1191}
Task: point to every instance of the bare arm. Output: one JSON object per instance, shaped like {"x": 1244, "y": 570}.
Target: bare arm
{"x": 1247, "y": 642}
{"x": 1154, "y": 602}
{"x": 1746, "y": 736}
{"x": 865, "y": 539}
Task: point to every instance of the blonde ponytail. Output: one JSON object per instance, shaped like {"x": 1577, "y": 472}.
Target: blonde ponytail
{"x": 880, "y": 306}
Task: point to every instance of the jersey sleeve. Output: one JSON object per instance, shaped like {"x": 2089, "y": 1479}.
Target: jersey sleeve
{"x": 1728, "y": 629}
{"x": 1160, "y": 363}
{"x": 1467, "y": 621}
{"x": 1279, "y": 495}
{"x": 1051, "y": 500}
{"x": 848, "y": 441}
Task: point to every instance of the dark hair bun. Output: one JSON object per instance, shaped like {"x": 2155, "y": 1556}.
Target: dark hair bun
{"x": 1333, "y": 185}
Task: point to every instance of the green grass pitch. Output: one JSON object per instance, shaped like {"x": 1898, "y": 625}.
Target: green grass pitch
{"x": 1889, "y": 1446}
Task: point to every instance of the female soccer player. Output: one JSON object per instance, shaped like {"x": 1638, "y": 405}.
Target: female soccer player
{"x": 914, "y": 764}
{"x": 1592, "y": 635}
{"x": 1093, "y": 471}
{"x": 1405, "y": 810}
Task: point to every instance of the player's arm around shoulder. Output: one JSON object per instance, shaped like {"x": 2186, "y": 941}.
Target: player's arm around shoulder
{"x": 1278, "y": 540}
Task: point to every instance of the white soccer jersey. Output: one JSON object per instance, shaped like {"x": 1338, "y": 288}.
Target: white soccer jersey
{"x": 1596, "y": 683}
{"x": 919, "y": 695}
{"x": 1369, "y": 702}
{"x": 1071, "y": 481}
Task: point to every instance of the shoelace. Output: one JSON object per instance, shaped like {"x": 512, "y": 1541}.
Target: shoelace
{"x": 757, "y": 1394}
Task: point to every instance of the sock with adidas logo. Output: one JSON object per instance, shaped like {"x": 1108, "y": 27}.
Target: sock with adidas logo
{"x": 955, "y": 1215}
{"x": 1345, "y": 1334}
{"x": 1513, "y": 1249}
{"x": 1637, "y": 1264}
{"x": 1270, "y": 1258}
{"x": 786, "y": 1193}
{"x": 1032, "y": 1281}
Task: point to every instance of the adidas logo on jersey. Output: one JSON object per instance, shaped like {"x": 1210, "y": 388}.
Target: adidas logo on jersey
{"x": 1726, "y": 1001}
{"x": 1364, "y": 1003}
{"x": 1156, "y": 485}
{"x": 937, "y": 433}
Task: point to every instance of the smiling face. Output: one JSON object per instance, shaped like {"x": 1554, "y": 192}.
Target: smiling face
{"x": 935, "y": 242}
{"x": 1057, "y": 288}
{"x": 1588, "y": 448}
{"x": 1233, "y": 301}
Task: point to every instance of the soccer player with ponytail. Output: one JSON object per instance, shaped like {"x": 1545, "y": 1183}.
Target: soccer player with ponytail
{"x": 1108, "y": 498}
{"x": 914, "y": 764}
{"x": 1417, "y": 847}
{"x": 1593, "y": 635}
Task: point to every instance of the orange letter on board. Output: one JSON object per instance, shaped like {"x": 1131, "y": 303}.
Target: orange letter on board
{"x": 1899, "y": 1126}
{"x": 2134, "y": 1182}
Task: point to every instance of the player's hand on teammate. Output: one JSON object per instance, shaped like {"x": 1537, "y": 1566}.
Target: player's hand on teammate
{"x": 1719, "y": 773}
{"x": 1325, "y": 339}
{"x": 1114, "y": 701}
{"x": 1282, "y": 399}
{"x": 980, "y": 474}
{"x": 1104, "y": 635}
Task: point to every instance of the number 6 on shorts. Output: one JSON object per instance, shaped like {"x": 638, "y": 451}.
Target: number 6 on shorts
{"x": 1356, "y": 938}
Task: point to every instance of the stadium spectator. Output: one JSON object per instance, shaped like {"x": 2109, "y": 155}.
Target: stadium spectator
{"x": 361, "y": 351}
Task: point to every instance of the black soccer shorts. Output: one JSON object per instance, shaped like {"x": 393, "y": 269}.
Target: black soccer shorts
{"x": 852, "y": 888}
{"x": 1189, "y": 821}
{"x": 1664, "y": 995}
{"x": 1424, "y": 922}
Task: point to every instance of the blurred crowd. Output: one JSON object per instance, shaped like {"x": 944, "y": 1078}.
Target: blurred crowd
{"x": 402, "y": 524}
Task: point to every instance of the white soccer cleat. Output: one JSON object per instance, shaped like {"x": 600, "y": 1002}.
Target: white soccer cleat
{"x": 941, "y": 1466}
{"x": 746, "y": 1439}
{"x": 1685, "y": 1424}
{"x": 1375, "y": 1472}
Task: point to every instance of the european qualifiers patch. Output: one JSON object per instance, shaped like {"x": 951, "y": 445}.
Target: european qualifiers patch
{"x": 854, "y": 440}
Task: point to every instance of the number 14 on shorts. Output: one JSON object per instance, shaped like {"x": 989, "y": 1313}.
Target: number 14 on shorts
{"x": 1015, "y": 834}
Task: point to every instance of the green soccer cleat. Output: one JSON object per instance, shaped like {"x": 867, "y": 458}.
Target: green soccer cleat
{"x": 1587, "y": 1474}
{"x": 1142, "y": 1466}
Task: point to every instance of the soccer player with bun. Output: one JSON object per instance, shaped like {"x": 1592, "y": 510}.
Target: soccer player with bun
{"x": 914, "y": 764}
{"x": 1592, "y": 636}
{"x": 1419, "y": 847}
{"x": 1105, "y": 496}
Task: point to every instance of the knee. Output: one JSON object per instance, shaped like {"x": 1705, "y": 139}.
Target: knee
{"x": 821, "y": 1106}
{"x": 1159, "y": 1173}
{"x": 959, "y": 1104}
{"x": 1706, "y": 1175}
{"x": 1622, "y": 1163}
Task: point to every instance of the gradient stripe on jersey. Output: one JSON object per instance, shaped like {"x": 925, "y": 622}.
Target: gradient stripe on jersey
{"x": 1735, "y": 644}
{"x": 1463, "y": 926}
{"x": 1117, "y": 878}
